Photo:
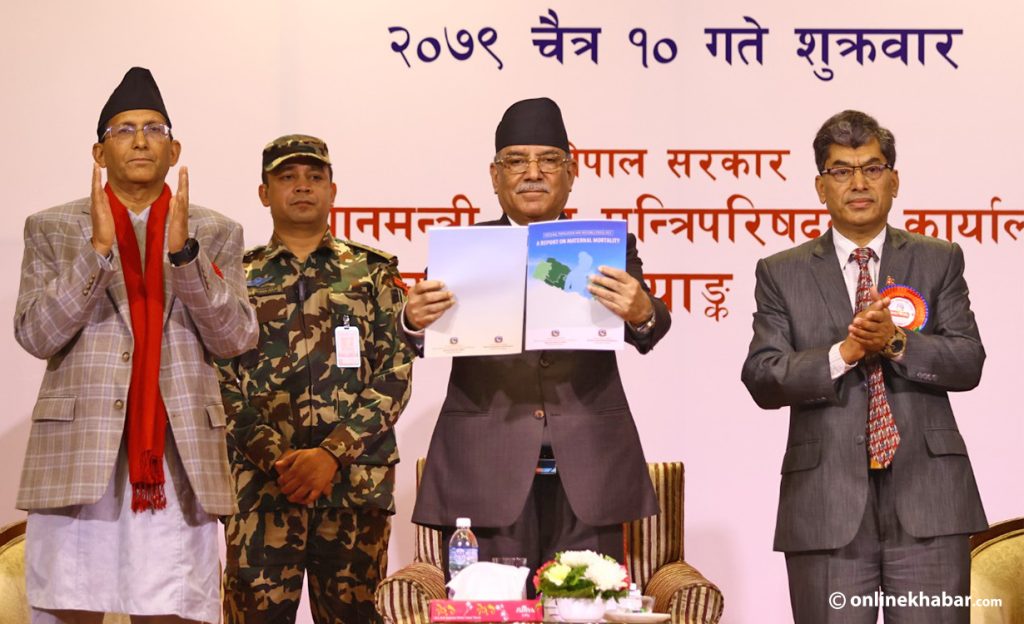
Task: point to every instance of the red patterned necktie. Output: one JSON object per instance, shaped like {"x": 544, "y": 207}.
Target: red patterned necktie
{"x": 883, "y": 438}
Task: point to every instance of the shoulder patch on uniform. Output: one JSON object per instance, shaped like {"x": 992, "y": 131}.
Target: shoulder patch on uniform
{"x": 387, "y": 257}
{"x": 401, "y": 284}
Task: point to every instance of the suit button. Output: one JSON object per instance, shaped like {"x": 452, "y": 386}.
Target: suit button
{"x": 119, "y": 404}
{"x": 544, "y": 363}
{"x": 126, "y": 356}
{"x": 859, "y": 439}
{"x": 539, "y": 414}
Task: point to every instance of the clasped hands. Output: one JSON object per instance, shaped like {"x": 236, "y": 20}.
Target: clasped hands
{"x": 617, "y": 290}
{"x": 103, "y": 231}
{"x": 870, "y": 331}
{"x": 305, "y": 474}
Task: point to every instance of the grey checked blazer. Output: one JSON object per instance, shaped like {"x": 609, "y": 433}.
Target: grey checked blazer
{"x": 73, "y": 312}
{"x": 803, "y": 308}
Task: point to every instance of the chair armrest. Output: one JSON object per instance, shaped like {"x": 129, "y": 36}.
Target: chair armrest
{"x": 679, "y": 589}
{"x": 404, "y": 597}
{"x": 13, "y": 598}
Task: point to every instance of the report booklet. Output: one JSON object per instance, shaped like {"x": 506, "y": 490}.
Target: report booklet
{"x": 484, "y": 267}
{"x": 510, "y": 279}
{"x": 561, "y": 313}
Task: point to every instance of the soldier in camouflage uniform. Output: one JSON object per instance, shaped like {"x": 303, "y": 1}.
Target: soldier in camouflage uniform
{"x": 312, "y": 443}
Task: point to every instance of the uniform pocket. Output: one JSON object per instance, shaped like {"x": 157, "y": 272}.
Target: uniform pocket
{"x": 269, "y": 306}
{"x": 354, "y": 308}
{"x": 354, "y": 304}
{"x": 272, "y": 313}
{"x": 54, "y": 408}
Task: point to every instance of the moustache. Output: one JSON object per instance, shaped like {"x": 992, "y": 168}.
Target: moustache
{"x": 533, "y": 187}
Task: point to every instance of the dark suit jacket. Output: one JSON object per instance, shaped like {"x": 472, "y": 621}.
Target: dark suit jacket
{"x": 488, "y": 436}
{"x": 803, "y": 308}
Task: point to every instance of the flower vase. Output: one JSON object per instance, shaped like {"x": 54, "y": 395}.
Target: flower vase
{"x": 580, "y": 609}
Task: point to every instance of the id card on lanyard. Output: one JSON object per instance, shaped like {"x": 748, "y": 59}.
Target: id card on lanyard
{"x": 346, "y": 345}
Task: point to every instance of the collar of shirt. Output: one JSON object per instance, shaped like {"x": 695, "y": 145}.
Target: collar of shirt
{"x": 142, "y": 217}
{"x": 844, "y": 247}
{"x": 504, "y": 217}
{"x": 275, "y": 247}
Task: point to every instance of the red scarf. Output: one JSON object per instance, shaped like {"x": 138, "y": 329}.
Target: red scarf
{"x": 146, "y": 422}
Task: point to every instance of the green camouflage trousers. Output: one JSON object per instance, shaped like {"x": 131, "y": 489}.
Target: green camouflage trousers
{"x": 344, "y": 551}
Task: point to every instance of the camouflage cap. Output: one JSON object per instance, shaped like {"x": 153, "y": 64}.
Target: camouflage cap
{"x": 292, "y": 146}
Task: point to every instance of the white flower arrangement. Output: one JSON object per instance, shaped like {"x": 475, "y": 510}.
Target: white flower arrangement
{"x": 582, "y": 574}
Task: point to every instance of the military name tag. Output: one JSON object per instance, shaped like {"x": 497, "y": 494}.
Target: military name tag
{"x": 346, "y": 346}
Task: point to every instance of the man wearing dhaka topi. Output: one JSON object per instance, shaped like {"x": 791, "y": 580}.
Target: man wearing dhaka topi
{"x": 128, "y": 295}
{"x": 539, "y": 448}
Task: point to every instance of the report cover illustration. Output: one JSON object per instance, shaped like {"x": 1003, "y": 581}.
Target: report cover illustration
{"x": 561, "y": 313}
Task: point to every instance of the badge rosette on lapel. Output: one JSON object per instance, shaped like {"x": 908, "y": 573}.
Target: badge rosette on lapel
{"x": 907, "y": 306}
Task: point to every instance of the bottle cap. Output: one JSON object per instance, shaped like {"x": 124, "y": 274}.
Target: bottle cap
{"x": 463, "y": 523}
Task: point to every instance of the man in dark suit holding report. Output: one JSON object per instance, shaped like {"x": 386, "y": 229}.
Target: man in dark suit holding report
{"x": 502, "y": 414}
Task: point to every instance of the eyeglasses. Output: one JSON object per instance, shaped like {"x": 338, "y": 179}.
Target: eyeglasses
{"x": 845, "y": 174}
{"x": 547, "y": 163}
{"x": 126, "y": 131}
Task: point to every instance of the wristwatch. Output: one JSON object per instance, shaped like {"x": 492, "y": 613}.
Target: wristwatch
{"x": 646, "y": 326}
{"x": 188, "y": 253}
{"x": 897, "y": 344}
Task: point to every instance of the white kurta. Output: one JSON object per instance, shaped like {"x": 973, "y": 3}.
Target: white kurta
{"x": 105, "y": 557}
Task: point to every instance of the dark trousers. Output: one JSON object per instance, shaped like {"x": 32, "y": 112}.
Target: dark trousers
{"x": 546, "y": 525}
{"x": 883, "y": 562}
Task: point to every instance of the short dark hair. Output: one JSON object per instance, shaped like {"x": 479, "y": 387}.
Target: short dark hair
{"x": 852, "y": 128}
{"x": 311, "y": 161}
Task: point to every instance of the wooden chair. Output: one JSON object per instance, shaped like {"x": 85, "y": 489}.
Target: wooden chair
{"x": 997, "y": 571}
{"x": 654, "y": 558}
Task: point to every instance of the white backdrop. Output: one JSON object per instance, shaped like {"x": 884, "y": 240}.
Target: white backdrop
{"x": 237, "y": 74}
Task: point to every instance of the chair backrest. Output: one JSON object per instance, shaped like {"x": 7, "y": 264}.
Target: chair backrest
{"x": 428, "y": 541}
{"x": 649, "y": 542}
{"x": 997, "y": 571}
{"x": 13, "y": 600}
{"x": 656, "y": 540}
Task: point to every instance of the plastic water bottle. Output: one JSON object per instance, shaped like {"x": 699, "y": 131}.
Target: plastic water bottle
{"x": 463, "y": 549}
{"x": 633, "y": 603}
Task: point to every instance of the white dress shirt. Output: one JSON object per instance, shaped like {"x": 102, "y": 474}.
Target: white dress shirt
{"x": 851, "y": 273}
